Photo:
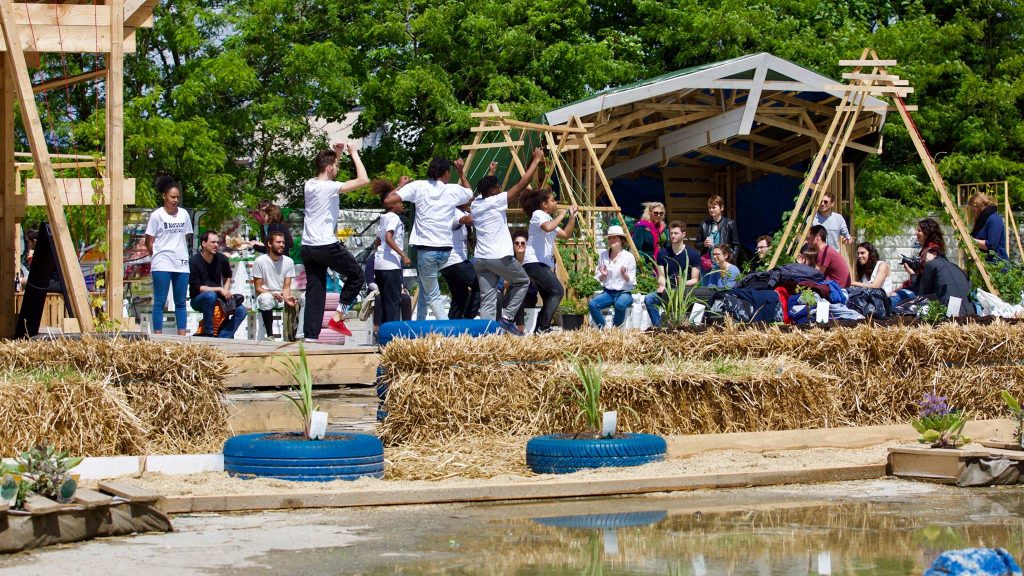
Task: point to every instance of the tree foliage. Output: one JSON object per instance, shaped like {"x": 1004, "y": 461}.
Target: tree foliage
{"x": 219, "y": 91}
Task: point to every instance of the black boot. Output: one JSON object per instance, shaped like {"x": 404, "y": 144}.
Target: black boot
{"x": 268, "y": 321}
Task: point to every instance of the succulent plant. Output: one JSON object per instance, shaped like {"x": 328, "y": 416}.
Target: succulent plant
{"x": 47, "y": 469}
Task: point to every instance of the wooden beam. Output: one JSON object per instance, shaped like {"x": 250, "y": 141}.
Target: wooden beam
{"x": 544, "y": 127}
{"x": 115, "y": 166}
{"x": 880, "y": 90}
{"x": 867, "y": 62}
{"x": 76, "y": 192}
{"x": 10, "y": 241}
{"x": 753, "y": 97}
{"x": 60, "y": 156}
{"x": 492, "y": 145}
{"x": 655, "y": 126}
{"x": 881, "y": 78}
{"x": 62, "y": 82}
{"x": 488, "y": 114}
{"x": 128, "y": 491}
{"x": 51, "y": 38}
{"x": 739, "y": 158}
{"x": 66, "y": 256}
{"x": 139, "y": 13}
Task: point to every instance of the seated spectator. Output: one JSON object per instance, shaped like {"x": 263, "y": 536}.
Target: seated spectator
{"x": 272, "y": 276}
{"x": 830, "y": 261}
{"x": 989, "y": 231}
{"x": 871, "y": 272}
{"x": 808, "y": 256}
{"x": 616, "y": 271}
{"x": 677, "y": 261}
{"x": 941, "y": 279}
{"x": 929, "y": 235}
{"x": 649, "y": 231}
{"x": 724, "y": 274}
{"x": 209, "y": 282}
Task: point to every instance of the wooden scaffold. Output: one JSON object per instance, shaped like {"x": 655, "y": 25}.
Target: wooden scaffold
{"x": 870, "y": 77}
{"x": 107, "y": 28}
{"x": 571, "y": 155}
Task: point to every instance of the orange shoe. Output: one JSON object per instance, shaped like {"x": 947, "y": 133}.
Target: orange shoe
{"x": 339, "y": 326}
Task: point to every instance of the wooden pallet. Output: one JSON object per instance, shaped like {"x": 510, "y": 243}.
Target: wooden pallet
{"x": 942, "y": 465}
{"x": 116, "y": 509}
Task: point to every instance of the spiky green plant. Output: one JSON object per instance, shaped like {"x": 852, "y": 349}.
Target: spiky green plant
{"x": 299, "y": 372}
{"x": 587, "y": 395}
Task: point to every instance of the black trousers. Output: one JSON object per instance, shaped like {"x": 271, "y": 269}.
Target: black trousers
{"x": 465, "y": 290}
{"x": 550, "y": 290}
{"x": 317, "y": 259}
{"x": 405, "y": 305}
{"x": 389, "y": 300}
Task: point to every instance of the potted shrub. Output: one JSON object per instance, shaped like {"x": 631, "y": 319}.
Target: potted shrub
{"x": 310, "y": 455}
{"x": 572, "y": 310}
{"x": 938, "y": 424}
{"x": 598, "y": 445}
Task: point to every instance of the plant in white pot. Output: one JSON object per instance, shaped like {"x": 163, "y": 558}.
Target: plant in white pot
{"x": 599, "y": 445}
{"x": 312, "y": 455}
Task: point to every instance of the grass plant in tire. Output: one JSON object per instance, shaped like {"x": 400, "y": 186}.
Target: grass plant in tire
{"x": 565, "y": 453}
{"x": 312, "y": 455}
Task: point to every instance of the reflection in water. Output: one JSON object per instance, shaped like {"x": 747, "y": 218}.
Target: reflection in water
{"x": 835, "y": 539}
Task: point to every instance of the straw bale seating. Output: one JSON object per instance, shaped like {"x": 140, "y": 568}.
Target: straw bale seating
{"x": 733, "y": 379}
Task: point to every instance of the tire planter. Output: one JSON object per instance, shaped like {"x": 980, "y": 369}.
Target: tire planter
{"x": 591, "y": 521}
{"x": 418, "y": 328}
{"x": 340, "y": 456}
{"x": 562, "y": 454}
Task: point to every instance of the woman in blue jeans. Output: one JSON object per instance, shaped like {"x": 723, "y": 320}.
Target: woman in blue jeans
{"x": 616, "y": 271}
{"x": 167, "y": 243}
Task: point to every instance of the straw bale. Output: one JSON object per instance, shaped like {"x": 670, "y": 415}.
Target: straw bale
{"x": 666, "y": 382}
{"x": 469, "y": 455}
{"x": 676, "y": 397}
{"x": 172, "y": 391}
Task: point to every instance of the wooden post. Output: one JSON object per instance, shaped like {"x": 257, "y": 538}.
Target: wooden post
{"x": 11, "y": 212}
{"x": 74, "y": 281}
{"x": 115, "y": 164}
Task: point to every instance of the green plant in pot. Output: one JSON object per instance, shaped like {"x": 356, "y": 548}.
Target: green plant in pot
{"x": 46, "y": 471}
{"x": 939, "y": 424}
{"x": 1017, "y": 413}
{"x": 596, "y": 446}
{"x": 315, "y": 455}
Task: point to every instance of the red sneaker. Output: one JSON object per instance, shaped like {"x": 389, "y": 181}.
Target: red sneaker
{"x": 339, "y": 326}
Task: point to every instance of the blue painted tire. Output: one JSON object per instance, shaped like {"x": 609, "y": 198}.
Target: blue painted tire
{"x": 590, "y": 521}
{"x": 381, "y": 413}
{"x": 418, "y": 328}
{"x": 561, "y": 454}
{"x": 348, "y": 456}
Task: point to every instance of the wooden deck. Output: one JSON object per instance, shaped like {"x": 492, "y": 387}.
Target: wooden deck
{"x": 255, "y": 364}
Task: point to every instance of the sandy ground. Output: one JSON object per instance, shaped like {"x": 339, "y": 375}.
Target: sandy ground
{"x": 721, "y": 461}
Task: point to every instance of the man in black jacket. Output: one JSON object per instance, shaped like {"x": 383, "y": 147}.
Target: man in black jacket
{"x": 209, "y": 281}
{"x": 716, "y": 230}
{"x": 941, "y": 279}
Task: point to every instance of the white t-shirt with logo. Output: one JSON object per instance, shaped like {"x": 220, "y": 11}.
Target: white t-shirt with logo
{"x": 320, "y": 225}
{"x": 436, "y": 205}
{"x": 386, "y": 258}
{"x": 460, "y": 241}
{"x": 273, "y": 273}
{"x": 170, "y": 243}
{"x": 540, "y": 245}
{"x": 493, "y": 240}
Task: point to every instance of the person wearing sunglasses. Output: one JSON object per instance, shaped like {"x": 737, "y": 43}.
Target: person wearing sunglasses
{"x": 649, "y": 233}
{"x": 834, "y": 223}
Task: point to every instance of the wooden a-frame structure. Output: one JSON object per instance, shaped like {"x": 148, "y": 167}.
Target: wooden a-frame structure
{"x": 571, "y": 152}
{"x": 870, "y": 77}
{"x": 104, "y": 27}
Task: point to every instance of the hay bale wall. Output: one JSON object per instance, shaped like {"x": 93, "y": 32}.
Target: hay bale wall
{"x": 105, "y": 397}
{"x": 734, "y": 379}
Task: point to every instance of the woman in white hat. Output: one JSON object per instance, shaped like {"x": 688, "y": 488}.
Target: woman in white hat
{"x": 616, "y": 271}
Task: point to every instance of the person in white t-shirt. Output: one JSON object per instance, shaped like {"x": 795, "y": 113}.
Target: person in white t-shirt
{"x": 834, "y": 223}
{"x": 390, "y": 257}
{"x": 320, "y": 246}
{"x": 272, "y": 276}
{"x": 167, "y": 243}
{"x": 539, "y": 261}
{"x": 459, "y": 272}
{"x": 436, "y": 200}
{"x": 616, "y": 271}
{"x": 494, "y": 254}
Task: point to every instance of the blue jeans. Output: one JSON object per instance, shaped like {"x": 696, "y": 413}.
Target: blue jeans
{"x": 622, "y": 301}
{"x": 162, "y": 282}
{"x": 653, "y": 302}
{"x": 204, "y": 302}
{"x": 901, "y": 295}
{"x": 428, "y": 264}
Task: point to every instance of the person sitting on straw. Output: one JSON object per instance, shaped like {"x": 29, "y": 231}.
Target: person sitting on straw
{"x": 724, "y": 274}
{"x": 616, "y": 271}
{"x": 494, "y": 254}
{"x": 272, "y": 277}
{"x": 830, "y": 261}
{"x": 678, "y": 261}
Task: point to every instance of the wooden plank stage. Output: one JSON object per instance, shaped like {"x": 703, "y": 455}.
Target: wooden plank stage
{"x": 256, "y": 364}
